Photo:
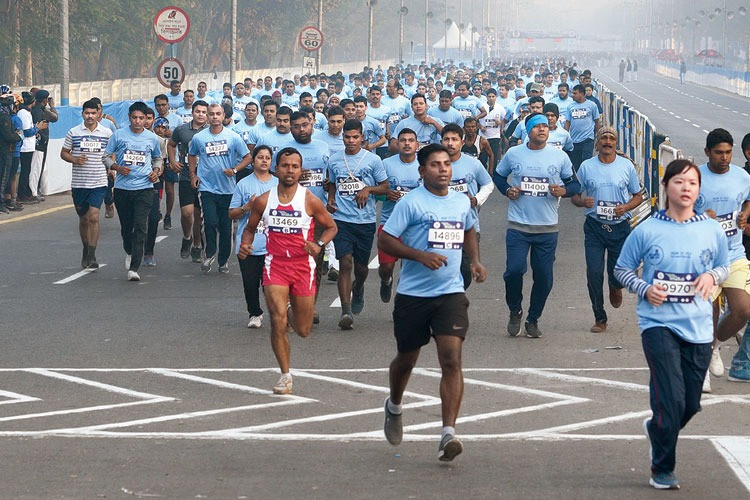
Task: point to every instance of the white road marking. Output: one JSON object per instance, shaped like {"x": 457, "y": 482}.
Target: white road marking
{"x": 374, "y": 263}
{"x": 696, "y": 125}
{"x": 14, "y": 397}
{"x": 161, "y": 238}
{"x": 736, "y": 451}
{"x": 77, "y": 275}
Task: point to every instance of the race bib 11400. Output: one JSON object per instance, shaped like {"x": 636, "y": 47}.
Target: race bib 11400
{"x": 534, "y": 186}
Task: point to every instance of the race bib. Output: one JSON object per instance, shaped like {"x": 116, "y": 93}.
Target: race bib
{"x": 90, "y": 145}
{"x": 679, "y": 286}
{"x": 579, "y": 113}
{"x": 312, "y": 177}
{"x": 465, "y": 113}
{"x": 555, "y": 144}
{"x": 394, "y": 118}
{"x": 186, "y": 118}
{"x": 401, "y": 190}
{"x": 285, "y": 221}
{"x": 728, "y": 223}
{"x": 446, "y": 235}
{"x": 350, "y": 186}
{"x": 261, "y": 227}
{"x": 133, "y": 158}
{"x": 534, "y": 186}
{"x": 217, "y": 148}
{"x": 459, "y": 186}
{"x": 605, "y": 210}
{"x": 420, "y": 145}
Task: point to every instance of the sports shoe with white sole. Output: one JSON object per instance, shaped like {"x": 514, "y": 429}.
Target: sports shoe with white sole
{"x": 716, "y": 366}
{"x": 664, "y": 481}
{"x": 207, "y": 263}
{"x": 133, "y": 276}
{"x": 393, "y": 426}
{"x": 284, "y": 385}
{"x": 706, "y": 389}
{"x": 255, "y": 321}
{"x": 646, "y": 422}
{"x": 450, "y": 448}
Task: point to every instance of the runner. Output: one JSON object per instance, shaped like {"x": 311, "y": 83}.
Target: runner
{"x": 444, "y": 111}
{"x": 356, "y": 177}
{"x": 251, "y": 267}
{"x": 435, "y": 225}
{"x": 475, "y": 145}
{"x": 683, "y": 254}
{"x": 493, "y": 124}
{"x": 289, "y": 213}
{"x": 612, "y": 190}
{"x": 134, "y": 153}
{"x": 403, "y": 177}
{"x": 582, "y": 120}
{"x": 281, "y": 135}
{"x": 374, "y": 134}
{"x": 428, "y": 129}
{"x": 538, "y": 176}
{"x": 84, "y": 148}
{"x": 215, "y": 156}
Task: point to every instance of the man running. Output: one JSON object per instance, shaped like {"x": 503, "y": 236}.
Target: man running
{"x": 435, "y": 225}
{"x": 290, "y": 213}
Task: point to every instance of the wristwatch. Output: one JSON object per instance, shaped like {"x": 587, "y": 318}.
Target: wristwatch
{"x": 235, "y": 171}
{"x": 320, "y": 243}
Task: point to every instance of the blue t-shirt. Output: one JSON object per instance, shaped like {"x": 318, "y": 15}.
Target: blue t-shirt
{"x": 467, "y": 106}
{"x": 350, "y": 174}
{"x": 315, "y": 156}
{"x": 428, "y": 222}
{"x": 175, "y": 101}
{"x": 259, "y": 130}
{"x": 238, "y": 105}
{"x": 468, "y": 176}
{"x": 402, "y": 177}
{"x": 581, "y": 116}
{"x": 217, "y": 152}
{"x": 533, "y": 171}
{"x": 274, "y": 140}
{"x": 244, "y": 130}
{"x": 610, "y": 184}
{"x": 371, "y": 130}
{"x": 676, "y": 254}
{"x": 247, "y": 188}
{"x": 562, "y": 106}
{"x": 185, "y": 114}
{"x": 134, "y": 151}
{"x": 724, "y": 194}
{"x": 450, "y": 116}
{"x": 108, "y": 123}
{"x": 380, "y": 114}
{"x": 426, "y": 134}
{"x": 335, "y": 144}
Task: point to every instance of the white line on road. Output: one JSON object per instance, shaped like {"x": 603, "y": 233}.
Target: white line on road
{"x": 161, "y": 238}
{"x": 77, "y": 275}
{"x": 696, "y": 125}
{"x": 736, "y": 451}
{"x": 374, "y": 264}
{"x": 14, "y": 397}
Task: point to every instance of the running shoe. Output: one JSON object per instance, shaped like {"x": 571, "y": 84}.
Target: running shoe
{"x": 195, "y": 253}
{"x": 93, "y": 264}
{"x": 149, "y": 261}
{"x": 386, "y": 288}
{"x": 716, "y": 366}
{"x": 133, "y": 276}
{"x": 450, "y": 448}
{"x": 346, "y": 322}
{"x": 664, "y": 481}
{"x": 706, "y": 389}
{"x": 167, "y": 223}
{"x": 185, "y": 248}
{"x": 646, "y": 423}
{"x": 333, "y": 274}
{"x": 14, "y": 206}
{"x": 316, "y": 318}
{"x": 739, "y": 374}
{"x": 532, "y": 330}
{"x": 284, "y": 385}
{"x": 393, "y": 427}
{"x": 4, "y": 209}
{"x": 358, "y": 298}
{"x": 224, "y": 268}
{"x": 599, "y": 327}
{"x": 207, "y": 263}
{"x": 255, "y": 321}
{"x": 514, "y": 324}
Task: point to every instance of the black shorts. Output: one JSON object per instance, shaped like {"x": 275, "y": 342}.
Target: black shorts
{"x": 188, "y": 195}
{"x": 416, "y": 319}
{"x": 354, "y": 239}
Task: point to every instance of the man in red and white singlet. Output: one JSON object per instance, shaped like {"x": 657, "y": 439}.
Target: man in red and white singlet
{"x": 289, "y": 213}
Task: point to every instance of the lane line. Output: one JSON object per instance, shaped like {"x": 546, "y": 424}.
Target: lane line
{"x": 77, "y": 275}
{"x": 161, "y": 238}
{"x": 36, "y": 214}
{"x": 374, "y": 264}
{"x": 736, "y": 451}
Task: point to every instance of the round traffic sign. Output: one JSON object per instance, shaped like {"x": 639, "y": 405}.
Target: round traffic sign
{"x": 171, "y": 24}
{"x": 170, "y": 69}
{"x": 310, "y": 38}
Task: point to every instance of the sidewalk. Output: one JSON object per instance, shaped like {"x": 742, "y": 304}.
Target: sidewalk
{"x": 52, "y": 203}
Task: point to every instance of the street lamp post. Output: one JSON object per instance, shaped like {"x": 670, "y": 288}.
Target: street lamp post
{"x": 370, "y": 5}
{"x": 401, "y": 14}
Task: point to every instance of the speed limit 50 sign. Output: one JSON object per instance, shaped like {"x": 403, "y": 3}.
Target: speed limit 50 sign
{"x": 310, "y": 38}
{"x": 170, "y": 69}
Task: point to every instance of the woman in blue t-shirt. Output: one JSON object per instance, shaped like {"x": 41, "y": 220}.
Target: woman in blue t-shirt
{"x": 684, "y": 255}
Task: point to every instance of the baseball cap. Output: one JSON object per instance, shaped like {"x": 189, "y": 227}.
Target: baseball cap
{"x": 161, "y": 122}
{"x": 538, "y": 87}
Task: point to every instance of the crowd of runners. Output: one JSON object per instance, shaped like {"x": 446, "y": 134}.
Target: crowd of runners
{"x": 288, "y": 175}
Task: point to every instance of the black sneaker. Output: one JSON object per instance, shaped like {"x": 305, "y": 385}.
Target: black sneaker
{"x": 386, "y": 287}
{"x": 168, "y": 224}
{"x": 4, "y": 209}
{"x": 346, "y": 321}
{"x": 514, "y": 324}
{"x": 14, "y": 207}
{"x": 393, "y": 427}
{"x": 450, "y": 448}
{"x": 185, "y": 248}
{"x": 358, "y": 298}
{"x": 195, "y": 254}
{"x": 532, "y": 330}
{"x": 333, "y": 275}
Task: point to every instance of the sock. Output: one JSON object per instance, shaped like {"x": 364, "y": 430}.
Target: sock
{"x": 449, "y": 430}
{"x": 346, "y": 308}
{"x": 92, "y": 252}
{"x": 394, "y": 408}
{"x": 286, "y": 375}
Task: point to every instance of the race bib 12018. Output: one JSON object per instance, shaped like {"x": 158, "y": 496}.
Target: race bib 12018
{"x": 350, "y": 186}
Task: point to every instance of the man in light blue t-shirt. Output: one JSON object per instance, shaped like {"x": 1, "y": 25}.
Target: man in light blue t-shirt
{"x": 582, "y": 121}
{"x": 429, "y": 230}
{"x": 216, "y": 155}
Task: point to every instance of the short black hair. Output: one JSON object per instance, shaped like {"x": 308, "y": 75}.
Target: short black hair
{"x": 452, "y": 127}
{"x": 335, "y": 111}
{"x": 424, "y": 154}
{"x": 717, "y": 136}
{"x": 161, "y": 97}
{"x": 90, "y": 104}
{"x": 353, "y": 125}
{"x": 360, "y": 98}
{"x": 746, "y": 142}
{"x": 284, "y": 110}
{"x": 199, "y": 102}
{"x": 270, "y": 102}
{"x": 289, "y": 151}
{"x": 296, "y": 115}
{"x": 445, "y": 94}
{"x": 565, "y": 85}
{"x": 535, "y": 99}
{"x": 407, "y": 130}
{"x": 551, "y": 107}
{"x": 138, "y": 106}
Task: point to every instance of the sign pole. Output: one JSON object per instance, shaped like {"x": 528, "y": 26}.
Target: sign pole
{"x": 319, "y": 54}
{"x": 65, "y": 87}
{"x": 233, "y": 46}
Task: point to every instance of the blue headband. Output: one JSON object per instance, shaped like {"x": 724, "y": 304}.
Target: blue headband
{"x": 534, "y": 121}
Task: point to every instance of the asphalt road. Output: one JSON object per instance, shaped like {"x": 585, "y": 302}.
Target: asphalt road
{"x": 115, "y": 389}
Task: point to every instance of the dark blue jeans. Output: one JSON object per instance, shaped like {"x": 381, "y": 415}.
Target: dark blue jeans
{"x": 542, "y": 247}
{"x": 216, "y": 220}
{"x": 582, "y": 151}
{"x": 677, "y": 371}
{"x": 598, "y": 239}
{"x": 133, "y": 208}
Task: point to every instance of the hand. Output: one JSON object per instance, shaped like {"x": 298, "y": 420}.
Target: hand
{"x": 195, "y": 181}
{"x": 176, "y": 167}
{"x": 433, "y": 260}
{"x": 588, "y": 202}
{"x": 229, "y": 172}
{"x": 742, "y": 221}
{"x": 42, "y": 125}
{"x": 331, "y": 206}
{"x": 478, "y": 272}
{"x": 473, "y": 201}
{"x": 245, "y": 250}
{"x": 710, "y": 213}
{"x": 123, "y": 170}
{"x": 620, "y": 210}
{"x": 557, "y": 191}
{"x": 703, "y": 285}
{"x": 394, "y": 195}
{"x": 513, "y": 193}
{"x": 362, "y": 196}
{"x": 656, "y": 295}
{"x": 482, "y": 128}
{"x": 154, "y": 176}
{"x": 79, "y": 160}
{"x": 312, "y": 248}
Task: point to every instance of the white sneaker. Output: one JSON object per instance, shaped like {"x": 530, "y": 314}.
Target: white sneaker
{"x": 255, "y": 321}
{"x": 284, "y": 385}
{"x": 716, "y": 366}
{"x": 127, "y": 262}
{"x": 706, "y": 389}
{"x": 133, "y": 276}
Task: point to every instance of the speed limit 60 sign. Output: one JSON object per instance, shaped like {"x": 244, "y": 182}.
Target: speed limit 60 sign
{"x": 170, "y": 69}
{"x": 310, "y": 38}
